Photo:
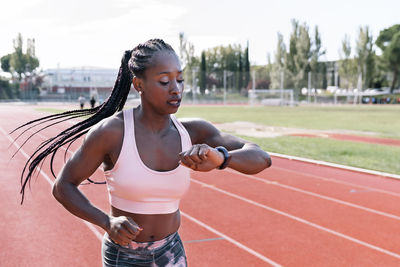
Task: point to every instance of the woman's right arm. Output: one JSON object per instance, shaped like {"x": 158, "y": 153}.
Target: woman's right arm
{"x": 96, "y": 147}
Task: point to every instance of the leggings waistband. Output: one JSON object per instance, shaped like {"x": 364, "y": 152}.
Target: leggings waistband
{"x": 148, "y": 246}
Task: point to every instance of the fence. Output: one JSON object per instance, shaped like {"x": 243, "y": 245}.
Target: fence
{"x": 262, "y": 86}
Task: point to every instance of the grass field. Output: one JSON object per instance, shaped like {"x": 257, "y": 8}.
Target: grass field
{"x": 367, "y": 156}
{"x": 383, "y": 120}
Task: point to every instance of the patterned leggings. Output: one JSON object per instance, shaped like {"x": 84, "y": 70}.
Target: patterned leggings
{"x": 167, "y": 252}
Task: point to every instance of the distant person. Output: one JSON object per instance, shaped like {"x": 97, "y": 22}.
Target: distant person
{"x": 147, "y": 155}
{"x": 92, "y": 102}
{"x": 81, "y": 101}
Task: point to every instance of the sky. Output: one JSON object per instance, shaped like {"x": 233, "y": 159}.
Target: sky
{"x": 74, "y": 33}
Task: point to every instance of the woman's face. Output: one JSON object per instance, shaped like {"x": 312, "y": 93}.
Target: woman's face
{"x": 162, "y": 84}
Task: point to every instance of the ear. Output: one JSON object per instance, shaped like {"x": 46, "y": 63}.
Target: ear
{"x": 137, "y": 83}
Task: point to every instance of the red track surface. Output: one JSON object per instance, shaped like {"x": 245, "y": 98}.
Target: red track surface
{"x": 354, "y": 138}
{"x": 294, "y": 214}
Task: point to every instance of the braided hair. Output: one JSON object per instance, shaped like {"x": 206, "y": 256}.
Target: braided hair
{"x": 134, "y": 63}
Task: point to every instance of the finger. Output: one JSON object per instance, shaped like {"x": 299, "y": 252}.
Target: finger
{"x": 125, "y": 235}
{"x": 134, "y": 223}
{"x": 182, "y": 163}
{"x": 203, "y": 152}
{"x": 132, "y": 227}
{"x": 187, "y": 160}
{"x": 121, "y": 239}
{"x": 194, "y": 155}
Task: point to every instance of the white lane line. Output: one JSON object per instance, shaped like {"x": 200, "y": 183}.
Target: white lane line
{"x": 236, "y": 243}
{"x": 216, "y": 232}
{"x": 329, "y": 164}
{"x": 229, "y": 239}
{"x": 323, "y": 163}
{"x": 341, "y": 182}
{"x": 279, "y": 184}
{"x": 387, "y": 252}
{"x": 89, "y": 225}
{"x": 256, "y": 204}
{"x": 345, "y": 203}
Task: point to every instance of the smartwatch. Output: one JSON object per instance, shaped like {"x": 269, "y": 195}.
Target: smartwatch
{"x": 227, "y": 157}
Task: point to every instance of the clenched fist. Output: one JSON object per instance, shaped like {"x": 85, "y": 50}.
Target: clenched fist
{"x": 122, "y": 230}
{"x": 201, "y": 157}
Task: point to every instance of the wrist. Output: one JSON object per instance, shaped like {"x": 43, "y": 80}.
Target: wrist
{"x": 226, "y": 156}
{"x": 106, "y": 224}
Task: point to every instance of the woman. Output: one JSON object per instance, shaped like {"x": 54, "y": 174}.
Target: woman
{"x": 146, "y": 154}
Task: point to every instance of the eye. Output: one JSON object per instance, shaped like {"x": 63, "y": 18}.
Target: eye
{"x": 180, "y": 81}
{"x": 164, "y": 83}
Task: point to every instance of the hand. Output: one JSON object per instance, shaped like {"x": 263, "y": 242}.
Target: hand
{"x": 201, "y": 158}
{"x": 122, "y": 230}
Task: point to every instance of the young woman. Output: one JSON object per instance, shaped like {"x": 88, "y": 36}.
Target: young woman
{"x": 146, "y": 154}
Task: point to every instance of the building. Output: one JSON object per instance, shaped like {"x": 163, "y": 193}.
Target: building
{"x": 72, "y": 82}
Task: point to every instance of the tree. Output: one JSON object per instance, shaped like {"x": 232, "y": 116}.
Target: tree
{"x": 203, "y": 73}
{"x": 347, "y": 66}
{"x": 389, "y": 42}
{"x": 18, "y": 59}
{"x": 186, "y": 52}
{"x": 5, "y": 63}
{"x": 240, "y": 72}
{"x": 315, "y": 65}
{"x": 32, "y": 61}
{"x": 392, "y": 54}
{"x": 279, "y": 66}
{"x": 19, "y": 62}
{"x": 297, "y": 60}
{"x": 365, "y": 56}
{"x": 246, "y": 65}
{"x": 189, "y": 61}
{"x": 220, "y": 59}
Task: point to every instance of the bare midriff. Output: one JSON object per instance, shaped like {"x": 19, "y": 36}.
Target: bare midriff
{"x": 155, "y": 226}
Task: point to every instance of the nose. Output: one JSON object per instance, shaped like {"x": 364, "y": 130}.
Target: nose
{"x": 176, "y": 88}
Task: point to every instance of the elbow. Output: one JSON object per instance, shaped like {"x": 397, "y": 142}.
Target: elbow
{"x": 268, "y": 160}
{"x": 57, "y": 191}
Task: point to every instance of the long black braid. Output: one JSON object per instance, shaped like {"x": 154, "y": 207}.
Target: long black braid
{"x": 134, "y": 62}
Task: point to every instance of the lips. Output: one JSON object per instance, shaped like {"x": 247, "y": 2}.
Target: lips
{"x": 174, "y": 102}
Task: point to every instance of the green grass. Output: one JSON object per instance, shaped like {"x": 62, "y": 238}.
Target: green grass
{"x": 368, "y": 156}
{"x": 383, "y": 119}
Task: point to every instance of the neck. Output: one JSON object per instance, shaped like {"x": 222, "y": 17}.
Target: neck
{"x": 155, "y": 123}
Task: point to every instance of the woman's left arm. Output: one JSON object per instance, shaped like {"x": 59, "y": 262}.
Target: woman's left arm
{"x": 245, "y": 157}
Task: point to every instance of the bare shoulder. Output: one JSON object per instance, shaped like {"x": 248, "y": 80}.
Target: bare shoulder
{"x": 109, "y": 130}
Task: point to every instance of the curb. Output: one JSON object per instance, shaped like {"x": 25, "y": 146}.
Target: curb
{"x": 324, "y": 163}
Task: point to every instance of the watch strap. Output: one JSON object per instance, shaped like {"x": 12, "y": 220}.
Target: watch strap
{"x": 227, "y": 157}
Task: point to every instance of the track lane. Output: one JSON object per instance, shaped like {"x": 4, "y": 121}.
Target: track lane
{"x": 214, "y": 177}
{"x": 336, "y": 174}
{"x": 289, "y": 242}
{"x": 226, "y": 251}
{"x": 40, "y": 232}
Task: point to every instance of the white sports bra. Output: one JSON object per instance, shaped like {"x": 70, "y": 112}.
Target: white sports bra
{"x": 135, "y": 188}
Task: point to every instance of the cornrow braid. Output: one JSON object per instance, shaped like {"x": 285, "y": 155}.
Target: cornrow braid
{"x": 134, "y": 62}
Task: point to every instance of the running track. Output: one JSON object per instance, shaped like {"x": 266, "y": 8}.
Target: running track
{"x": 293, "y": 214}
